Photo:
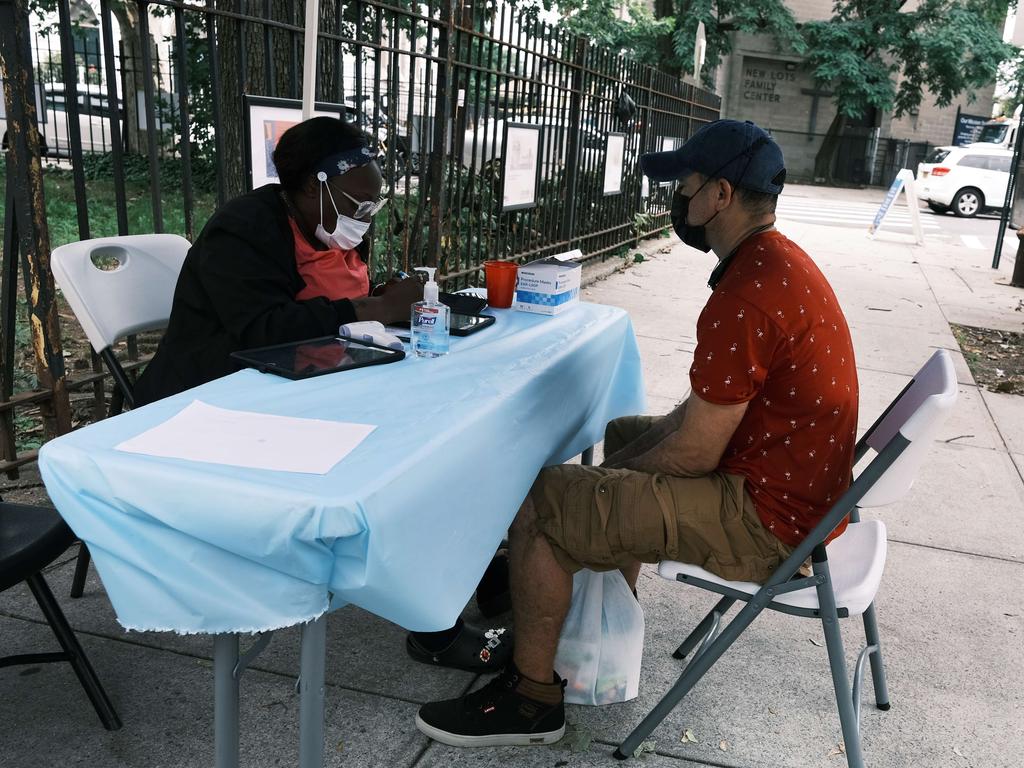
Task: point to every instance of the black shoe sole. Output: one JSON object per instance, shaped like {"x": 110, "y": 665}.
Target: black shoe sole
{"x": 492, "y": 739}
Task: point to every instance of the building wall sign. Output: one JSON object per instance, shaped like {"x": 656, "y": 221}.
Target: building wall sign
{"x": 765, "y": 80}
{"x": 966, "y": 128}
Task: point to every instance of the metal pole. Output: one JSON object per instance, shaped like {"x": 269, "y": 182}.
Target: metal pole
{"x": 309, "y": 58}
{"x": 1011, "y": 188}
{"x": 1017, "y": 281}
{"x": 68, "y": 69}
{"x": 442, "y": 131}
{"x": 149, "y": 98}
{"x": 117, "y": 108}
{"x": 572, "y": 159}
{"x": 8, "y": 321}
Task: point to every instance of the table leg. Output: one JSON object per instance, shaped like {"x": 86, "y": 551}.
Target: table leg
{"x": 588, "y": 457}
{"x": 225, "y": 700}
{"x": 311, "y": 693}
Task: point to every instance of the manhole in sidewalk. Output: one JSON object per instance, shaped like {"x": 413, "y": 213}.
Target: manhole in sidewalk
{"x": 996, "y": 358}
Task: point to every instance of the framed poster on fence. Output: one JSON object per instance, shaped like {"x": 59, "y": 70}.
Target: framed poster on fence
{"x": 614, "y": 159}
{"x": 669, "y": 144}
{"x": 521, "y": 165}
{"x": 265, "y": 120}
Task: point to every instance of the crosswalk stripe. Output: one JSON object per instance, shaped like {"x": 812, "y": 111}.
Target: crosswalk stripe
{"x": 851, "y": 222}
{"x": 817, "y": 204}
{"x": 973, "y": 241}
{"x": 850, "y": 215}
{"x": 869, "y": 212}
{"x": 846, "y": 206}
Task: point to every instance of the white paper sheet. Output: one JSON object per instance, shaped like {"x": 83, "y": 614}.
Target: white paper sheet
{"x": 202, "y": 432}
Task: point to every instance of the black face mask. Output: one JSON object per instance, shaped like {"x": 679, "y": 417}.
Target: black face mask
{"x": 695, "y": 236}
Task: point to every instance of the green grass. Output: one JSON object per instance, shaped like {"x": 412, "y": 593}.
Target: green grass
{"x": 62, "y": 215}
{"x": 62, "y": 223}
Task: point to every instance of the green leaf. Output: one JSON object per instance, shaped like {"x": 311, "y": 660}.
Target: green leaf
{"x": 645, "y": 746}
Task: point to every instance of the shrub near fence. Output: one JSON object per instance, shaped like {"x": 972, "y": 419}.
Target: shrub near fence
{"x": 435, "y": 83}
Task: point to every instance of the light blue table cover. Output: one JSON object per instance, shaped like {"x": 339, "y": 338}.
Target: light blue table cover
{"x": 403, "y": 526}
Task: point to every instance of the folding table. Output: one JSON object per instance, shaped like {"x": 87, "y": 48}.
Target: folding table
{"x": 403, "y": 526}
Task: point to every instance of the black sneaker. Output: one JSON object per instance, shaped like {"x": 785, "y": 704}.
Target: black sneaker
{"x": 474, "y": 650}
{"x": 496, "y": 715}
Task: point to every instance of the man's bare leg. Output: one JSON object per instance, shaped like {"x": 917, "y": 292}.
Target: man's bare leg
{"x": 541, "y": 593}
{"x": 631, "y": 573}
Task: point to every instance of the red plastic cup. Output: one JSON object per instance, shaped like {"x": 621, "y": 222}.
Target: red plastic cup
{"x": 501, "y": 283}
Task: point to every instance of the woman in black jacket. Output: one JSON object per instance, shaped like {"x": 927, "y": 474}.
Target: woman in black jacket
{"x": 282, "y": 263}
{"x": 287, "y": 262}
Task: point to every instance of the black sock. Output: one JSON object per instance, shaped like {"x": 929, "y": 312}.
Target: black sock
{"x": 438, "y": 641}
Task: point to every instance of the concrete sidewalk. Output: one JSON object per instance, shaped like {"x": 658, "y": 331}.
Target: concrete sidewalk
{"x": 950, "y": 607}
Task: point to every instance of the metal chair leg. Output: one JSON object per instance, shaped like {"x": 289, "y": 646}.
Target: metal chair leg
{"x": 694, "y": 671}
{"x": 877, "y": 664}
{"x": 76, "y": 655}
{"x": 81, "y": 571}
{"x": 701, "y": 629}
{"x": 837, "y": 663}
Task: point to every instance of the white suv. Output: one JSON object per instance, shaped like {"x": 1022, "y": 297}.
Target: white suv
{"x": 968, "y": 180}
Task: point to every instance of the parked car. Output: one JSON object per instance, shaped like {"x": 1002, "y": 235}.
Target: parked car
{"x": 93, "y": 120}
{"x": 966, "y": 180}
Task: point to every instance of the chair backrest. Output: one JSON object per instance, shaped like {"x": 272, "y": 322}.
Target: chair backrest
{"x": 916, "y": 415}
{"x": 130, "y": 293}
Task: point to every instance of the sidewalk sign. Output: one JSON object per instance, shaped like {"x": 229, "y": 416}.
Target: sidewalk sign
{"x": 700, "y": 47}
{"x": 904, "y": 181}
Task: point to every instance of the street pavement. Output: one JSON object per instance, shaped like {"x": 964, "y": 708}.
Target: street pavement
{"x": 856, "y": 210}
{"x": 950, "y": 606}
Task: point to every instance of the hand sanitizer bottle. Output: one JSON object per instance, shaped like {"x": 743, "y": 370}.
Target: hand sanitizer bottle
{"x": 430, "y": 321}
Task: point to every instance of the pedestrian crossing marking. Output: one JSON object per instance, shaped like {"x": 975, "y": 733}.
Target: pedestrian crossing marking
{"x": 844, "y": 214}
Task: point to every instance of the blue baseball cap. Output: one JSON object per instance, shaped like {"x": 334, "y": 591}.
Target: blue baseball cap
{"x": 739, "y": 152}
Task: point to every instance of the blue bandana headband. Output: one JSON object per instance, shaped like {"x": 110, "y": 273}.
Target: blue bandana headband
{"x": 343, "y": 162}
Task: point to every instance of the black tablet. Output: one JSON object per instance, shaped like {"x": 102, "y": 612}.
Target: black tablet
{"x": 459, "y": 325}
{"x": 463, "y": 325}
{"x": 315, "y": 357}
{"x": 463, "y": 303}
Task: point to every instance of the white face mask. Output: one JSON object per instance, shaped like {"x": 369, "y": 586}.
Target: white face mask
{"x": 348, "y": 232}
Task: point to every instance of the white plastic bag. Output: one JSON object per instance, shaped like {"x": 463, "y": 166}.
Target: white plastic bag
{"x": 602, "y": 641}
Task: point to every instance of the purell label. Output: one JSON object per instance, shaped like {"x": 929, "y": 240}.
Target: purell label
{"x": 422, "y": 319}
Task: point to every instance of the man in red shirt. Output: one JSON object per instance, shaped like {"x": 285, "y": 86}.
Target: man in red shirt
{"x": 732, "y": 479}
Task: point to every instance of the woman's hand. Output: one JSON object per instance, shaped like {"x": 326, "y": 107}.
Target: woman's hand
{"x": 399, "y": 297}
{"x": 393, "y": 305}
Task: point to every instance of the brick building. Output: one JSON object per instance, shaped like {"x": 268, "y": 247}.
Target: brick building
{"x": 774, "y": 89}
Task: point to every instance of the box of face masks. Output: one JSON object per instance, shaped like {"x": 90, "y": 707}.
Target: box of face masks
{"x": 549, "y": 286}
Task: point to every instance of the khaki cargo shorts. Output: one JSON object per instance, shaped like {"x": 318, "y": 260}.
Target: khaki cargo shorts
{"x": 603, "y": 519}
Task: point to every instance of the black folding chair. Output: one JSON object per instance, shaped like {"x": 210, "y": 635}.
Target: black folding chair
{"x": 846, "y": 573}
{"x": 30, "y": 539}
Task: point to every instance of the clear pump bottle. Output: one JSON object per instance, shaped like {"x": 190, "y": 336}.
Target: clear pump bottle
{"x": 430, "y": 321}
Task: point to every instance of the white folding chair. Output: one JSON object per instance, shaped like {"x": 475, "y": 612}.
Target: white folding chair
{"x": 846, "y": 573}
{"x": 118, "y": 286}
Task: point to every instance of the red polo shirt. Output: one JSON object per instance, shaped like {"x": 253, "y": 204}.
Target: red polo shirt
{"x": 772, "y": 334}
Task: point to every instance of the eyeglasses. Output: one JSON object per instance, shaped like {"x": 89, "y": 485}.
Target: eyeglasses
{"x": 366, "y": 209}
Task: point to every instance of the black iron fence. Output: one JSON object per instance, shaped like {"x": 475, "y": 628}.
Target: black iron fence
{"x": 146, "y": 115}
{"x": 860, "y": 156}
